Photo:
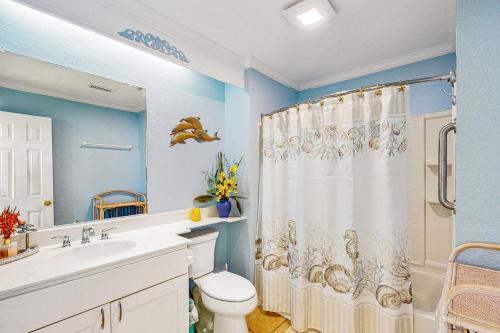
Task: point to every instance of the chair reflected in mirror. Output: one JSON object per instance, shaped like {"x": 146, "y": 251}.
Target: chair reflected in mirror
{"x": 118, "y": 203}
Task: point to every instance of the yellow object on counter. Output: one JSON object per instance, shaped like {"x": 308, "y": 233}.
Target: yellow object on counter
{"x": 195, "y": 214}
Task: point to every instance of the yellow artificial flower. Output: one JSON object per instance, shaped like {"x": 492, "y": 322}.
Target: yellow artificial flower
{"x": 232, "y": 185}
{"x": 222, "y": 186}
{"x": 218, "y": 195}
{"x": 221, "y": 192}
{"x": 233, "y": 169}
{"x": 222, "y": 176}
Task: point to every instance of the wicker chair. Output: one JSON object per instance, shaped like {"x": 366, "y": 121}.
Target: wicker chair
{"x": 471, "y": 295}
{"x": 104, "y": 208}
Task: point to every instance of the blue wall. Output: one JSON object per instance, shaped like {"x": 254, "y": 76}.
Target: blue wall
{"x": 81, "y": 173}
{"x": 243, "y": 109}
{"x": 172, "y": 92}
{"x": 478, "y": 116}
{"x": 425, "y": 98}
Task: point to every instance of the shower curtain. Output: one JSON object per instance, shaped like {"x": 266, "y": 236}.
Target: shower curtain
{"x": 332, "y": 243}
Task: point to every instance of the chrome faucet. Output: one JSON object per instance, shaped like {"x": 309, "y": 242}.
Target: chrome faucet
{"x": 87, "y": 232}
{"x": 104, "y": 233}
{"x": 66, "y": 242}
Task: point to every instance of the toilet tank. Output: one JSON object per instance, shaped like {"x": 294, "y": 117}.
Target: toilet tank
{"x": 203, "y": 246}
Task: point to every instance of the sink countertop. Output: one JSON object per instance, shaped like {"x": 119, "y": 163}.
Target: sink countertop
{"x": 53, "y": 264}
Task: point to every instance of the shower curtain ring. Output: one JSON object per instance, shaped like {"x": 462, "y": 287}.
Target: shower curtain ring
{"x": 453, "y": 97}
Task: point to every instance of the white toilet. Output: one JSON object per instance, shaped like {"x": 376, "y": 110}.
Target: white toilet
{"x": 229, "y": 296}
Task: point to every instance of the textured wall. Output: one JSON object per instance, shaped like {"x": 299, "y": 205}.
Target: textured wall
{"x": 243, "y": 109}
{"x": 174, "y": 175}
{"x": 81, "y": 173}
{"x": 478, "y": 116}
{"x": 425, "y": 98}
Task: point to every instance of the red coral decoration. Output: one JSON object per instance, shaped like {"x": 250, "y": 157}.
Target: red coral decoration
{"x": 9, "y": 219}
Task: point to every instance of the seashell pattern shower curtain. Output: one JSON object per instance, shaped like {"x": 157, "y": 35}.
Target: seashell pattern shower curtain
{"x": 332, "y": 241}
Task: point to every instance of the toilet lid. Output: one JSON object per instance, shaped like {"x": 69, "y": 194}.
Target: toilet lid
{"x": 226, "y": 286}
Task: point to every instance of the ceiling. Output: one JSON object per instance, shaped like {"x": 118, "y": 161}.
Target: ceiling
{"x": 222, "y": 38}
{"x": 40, "y": 77}
{"x": 364, "y": 36}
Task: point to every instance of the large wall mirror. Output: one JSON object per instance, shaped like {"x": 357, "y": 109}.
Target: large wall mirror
{"x": 72, "y": 144}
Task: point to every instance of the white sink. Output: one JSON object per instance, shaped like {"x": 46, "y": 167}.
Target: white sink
{"x": 53, "y": 264}
{"x": 96, "y": 250}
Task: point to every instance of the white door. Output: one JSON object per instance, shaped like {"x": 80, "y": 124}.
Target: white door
{"x": 162, "y": 308}
{"x": 26, "y": 179}
{"x": 92, "y": 321}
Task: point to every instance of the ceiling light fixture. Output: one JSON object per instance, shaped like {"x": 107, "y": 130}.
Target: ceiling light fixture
{"x": 310, "y": 17}
{"x": 309, "y": 13}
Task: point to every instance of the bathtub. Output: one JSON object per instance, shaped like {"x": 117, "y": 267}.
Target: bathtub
{"x": 427, "y": 285}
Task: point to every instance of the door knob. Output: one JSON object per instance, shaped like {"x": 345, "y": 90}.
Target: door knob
{"x": 47, "y": 203}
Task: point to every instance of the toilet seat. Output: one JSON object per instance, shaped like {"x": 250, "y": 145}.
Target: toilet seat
{"x": 227, "y": 287}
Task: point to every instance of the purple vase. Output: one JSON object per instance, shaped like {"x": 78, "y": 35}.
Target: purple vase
{"x": 224, "y": 208}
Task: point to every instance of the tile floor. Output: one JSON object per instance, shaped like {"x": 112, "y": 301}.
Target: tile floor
{"x": 260, "y": 321}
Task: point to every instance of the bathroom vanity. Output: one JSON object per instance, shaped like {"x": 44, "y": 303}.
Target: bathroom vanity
{"x": 132, "y": 282}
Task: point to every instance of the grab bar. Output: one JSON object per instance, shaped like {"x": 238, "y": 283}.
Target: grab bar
{"x": 443, "y": 166}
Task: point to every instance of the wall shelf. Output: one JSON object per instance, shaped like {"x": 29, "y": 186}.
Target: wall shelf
{"x": 188, "y": 224}
{"x": 435, "y": 164}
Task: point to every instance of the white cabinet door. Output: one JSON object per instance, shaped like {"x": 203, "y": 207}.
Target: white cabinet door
{"x": 92, "y": 321}
{"x": 26, "y": 167}
{"x": 162, "y": 308}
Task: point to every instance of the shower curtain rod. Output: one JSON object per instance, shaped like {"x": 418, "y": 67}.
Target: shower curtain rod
{"x": 448, "y": 77}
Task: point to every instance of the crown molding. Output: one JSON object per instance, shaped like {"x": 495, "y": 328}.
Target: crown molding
{"x": 259, "y": 66}
{"x": 380, "y": 66}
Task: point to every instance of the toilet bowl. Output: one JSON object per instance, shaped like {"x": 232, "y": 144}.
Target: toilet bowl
{"x": 229, "y": 296}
